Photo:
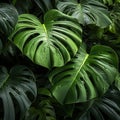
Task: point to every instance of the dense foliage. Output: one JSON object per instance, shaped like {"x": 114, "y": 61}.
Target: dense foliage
{"x": 59, "y": 60}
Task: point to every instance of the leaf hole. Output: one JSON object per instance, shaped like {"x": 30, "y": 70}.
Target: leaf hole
{"x": 30, "y": 96}
{"x": 29, "y": 39}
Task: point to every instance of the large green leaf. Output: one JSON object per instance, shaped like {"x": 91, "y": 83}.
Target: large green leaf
{"x": 50, "y": 44}
{"x": 8, "y": 18}
{"x": 17, "y": 90}
{"x": 86, "y": 76}
{"x": 86, "y": 12}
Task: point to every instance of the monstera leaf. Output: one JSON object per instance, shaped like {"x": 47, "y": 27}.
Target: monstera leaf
{"x": 8, "y": 18}
{"x": 51, "y": 44}
{"x": 86, "y": 76}
{"x": 105, "y": 108}
{"x": 17, "y": 90}
{"x": 86, "y": 12}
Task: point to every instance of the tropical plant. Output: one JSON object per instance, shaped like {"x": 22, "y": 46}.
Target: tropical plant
{"x": 51, "y": 44}
{"x": 59, "y": 60}
{"x": 108, "y": 107}
{"x": 16, "y": 87}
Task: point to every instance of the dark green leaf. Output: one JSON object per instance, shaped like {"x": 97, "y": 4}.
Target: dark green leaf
{"x": 8, "y": 18}
{"x": 17, "y": 85}
{"x": 87, "y": 12}
{"x": 107, "y": 107}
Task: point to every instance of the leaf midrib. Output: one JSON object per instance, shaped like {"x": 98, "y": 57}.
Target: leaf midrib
{"x": 74, "y": 80}
{"x": 85, "y": 58}
{"x": 46, "y": 34}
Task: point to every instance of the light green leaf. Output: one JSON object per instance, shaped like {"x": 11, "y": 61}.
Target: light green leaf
{"x": 51, "y": 44}
{"x": 86, "y": 76}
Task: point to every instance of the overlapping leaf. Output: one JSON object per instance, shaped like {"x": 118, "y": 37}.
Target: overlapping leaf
{"x": 8, "y": 18}
{"x": 107, "y": 107}
{"x": 86, "y": 12}
{"x": 87, "y": 76}
{"x": 17, "y": 90}
{"x": 51, "y": 44}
